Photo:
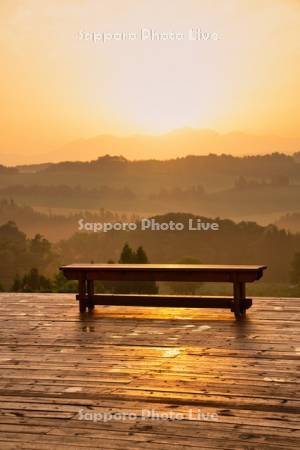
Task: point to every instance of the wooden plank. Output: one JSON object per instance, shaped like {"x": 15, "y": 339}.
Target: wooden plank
{"x": 164, "y": 272}
{"x": 167, "y": 267}
{"x": 55, "y": 362}
{"x": 175, "y": 301}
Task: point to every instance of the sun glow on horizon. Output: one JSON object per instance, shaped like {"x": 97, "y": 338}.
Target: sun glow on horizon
{"x": 56, "y": 87}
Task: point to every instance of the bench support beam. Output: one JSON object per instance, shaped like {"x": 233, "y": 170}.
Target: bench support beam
{"x": 168, "y": 301}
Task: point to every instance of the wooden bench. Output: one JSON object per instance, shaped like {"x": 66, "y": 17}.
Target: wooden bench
{"x": 86, "y": 274}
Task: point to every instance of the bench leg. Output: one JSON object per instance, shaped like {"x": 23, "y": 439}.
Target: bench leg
{"x": 82, "y": 295}
{"x": 239, "y": 295}
{"x": 90, "y": 293}
{"x": 243, "y": 297}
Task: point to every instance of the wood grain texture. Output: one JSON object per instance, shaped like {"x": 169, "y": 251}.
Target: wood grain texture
{"x": 55, "y": 363}
{"x": 164, "y": 272}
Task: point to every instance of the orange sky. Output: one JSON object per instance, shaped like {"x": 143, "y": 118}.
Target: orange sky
{"x": 56, "y": 88}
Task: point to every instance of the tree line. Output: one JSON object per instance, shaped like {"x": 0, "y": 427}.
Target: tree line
{"x": 27, "y": 262}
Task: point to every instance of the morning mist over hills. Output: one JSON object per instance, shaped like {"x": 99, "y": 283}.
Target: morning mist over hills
{"x": 261, "y": 188}
{"x": 127, "y": 129}
{"x": 177, "y": 143}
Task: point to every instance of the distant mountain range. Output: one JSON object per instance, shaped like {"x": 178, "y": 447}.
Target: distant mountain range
{"x": 176, "y": 143}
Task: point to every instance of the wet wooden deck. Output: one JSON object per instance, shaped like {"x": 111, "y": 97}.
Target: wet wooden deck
{"x": 55, "y": 364}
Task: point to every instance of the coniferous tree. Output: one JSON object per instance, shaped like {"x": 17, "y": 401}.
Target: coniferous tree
{"x": 33, "y": 281}
{"x": 129, "y": 256}
{"x": 140, "y": 256}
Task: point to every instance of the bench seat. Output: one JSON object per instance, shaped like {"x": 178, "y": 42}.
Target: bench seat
{"x": 238, "y": 275}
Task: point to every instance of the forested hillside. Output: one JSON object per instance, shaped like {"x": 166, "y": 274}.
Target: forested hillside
{"x": 233, "y": 243}
{"x": 258, "y": 188}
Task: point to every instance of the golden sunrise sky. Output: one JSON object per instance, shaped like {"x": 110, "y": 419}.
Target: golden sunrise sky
{"x": 56, "y": 88}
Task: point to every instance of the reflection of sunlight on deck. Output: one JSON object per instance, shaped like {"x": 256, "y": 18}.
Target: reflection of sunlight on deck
{"x": 165, "y": 313}
{"x": 170, "y": 352}
{"x": 55, "y": 362}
